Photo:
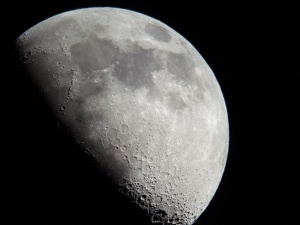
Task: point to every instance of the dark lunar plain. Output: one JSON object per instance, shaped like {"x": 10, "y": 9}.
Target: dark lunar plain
{"x": 253, "y": 49}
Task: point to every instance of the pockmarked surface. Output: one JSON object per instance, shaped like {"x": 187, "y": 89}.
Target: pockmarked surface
{"x": 139, "y": 99}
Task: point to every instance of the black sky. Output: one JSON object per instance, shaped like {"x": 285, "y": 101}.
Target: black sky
{"x": 253, "y": 49}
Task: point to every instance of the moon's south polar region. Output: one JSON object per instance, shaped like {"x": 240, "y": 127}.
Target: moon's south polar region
{"x": 139, "y": 99}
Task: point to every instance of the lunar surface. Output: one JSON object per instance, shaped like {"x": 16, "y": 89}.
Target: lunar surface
{"x": 139, "y": 99}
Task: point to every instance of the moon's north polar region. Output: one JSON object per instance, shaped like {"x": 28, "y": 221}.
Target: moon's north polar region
{"x": 140, "y": 99}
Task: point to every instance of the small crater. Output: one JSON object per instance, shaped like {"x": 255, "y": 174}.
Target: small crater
{"x": 27, "y": 54}
{"x": 124, "y": 128}
{"x": 143, "y": 197}
{"x": 116, "y": 142}
{"x": 150, "y": 160}
{"x": 55, "y": 75}
{"x": 123, "y": 148}
{"x": 158, "y": 200}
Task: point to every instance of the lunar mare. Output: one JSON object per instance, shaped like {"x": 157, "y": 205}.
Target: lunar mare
{"x": 140, "y": 99}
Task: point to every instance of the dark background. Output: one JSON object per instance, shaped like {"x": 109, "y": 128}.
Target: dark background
{"x": 253, "y": 49}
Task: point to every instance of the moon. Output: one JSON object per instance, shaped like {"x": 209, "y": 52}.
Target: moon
{"x": 139, "y": 99}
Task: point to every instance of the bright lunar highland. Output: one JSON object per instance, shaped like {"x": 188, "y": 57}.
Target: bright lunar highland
{"x": 139, "y": 99}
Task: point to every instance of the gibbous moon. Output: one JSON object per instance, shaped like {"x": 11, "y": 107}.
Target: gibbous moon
{"x": 139, "y": 99}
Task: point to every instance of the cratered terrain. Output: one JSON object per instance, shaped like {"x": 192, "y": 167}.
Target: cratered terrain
{"x": 139, "y": 99}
